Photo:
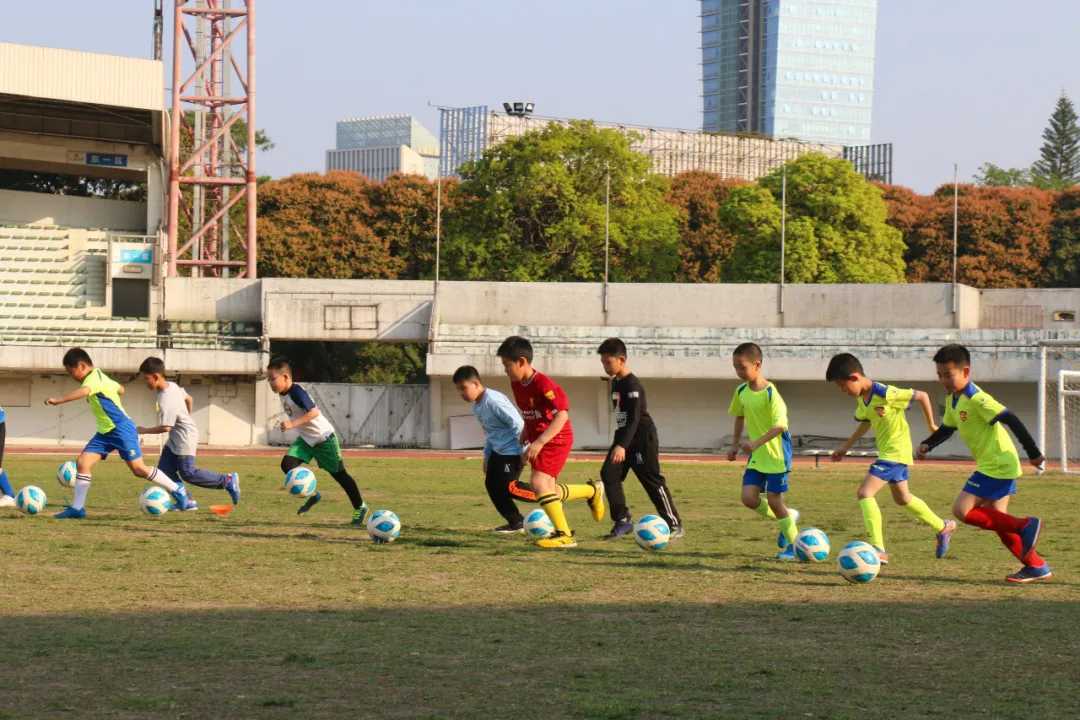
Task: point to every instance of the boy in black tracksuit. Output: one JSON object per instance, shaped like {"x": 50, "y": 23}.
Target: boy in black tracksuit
{"x": 636, "y": 445}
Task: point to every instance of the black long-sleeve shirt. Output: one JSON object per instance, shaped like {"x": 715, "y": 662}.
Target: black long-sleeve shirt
{"x": 631, "y": 411}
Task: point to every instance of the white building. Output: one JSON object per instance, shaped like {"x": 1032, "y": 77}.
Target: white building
{"x": 379, "y": 146}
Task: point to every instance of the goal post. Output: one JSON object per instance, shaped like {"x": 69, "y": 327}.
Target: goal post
{"x": 1058, "y": 402}
{"x": 1068, "y": 397}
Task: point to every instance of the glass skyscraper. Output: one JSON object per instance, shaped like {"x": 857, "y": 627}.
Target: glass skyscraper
{"x": 789, "y": 68}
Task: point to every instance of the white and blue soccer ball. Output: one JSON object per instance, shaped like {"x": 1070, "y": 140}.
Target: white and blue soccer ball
{"x": 65, "y": 474}
{"x": 652, "y": 532}
{"x": 155, "y": 501}
{"x": 384, "y": 526}
{"x": 31, "y": 500}
{"x": 301, "y": 482}
{"x": 858, "y": 562}
{"x": 538, "y": 525}
{"x": 812, "y": 545}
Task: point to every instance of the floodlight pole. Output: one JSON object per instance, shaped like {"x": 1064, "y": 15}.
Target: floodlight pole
{"x": 607, "y": 235}
{"x": 783, "y": 230}
{"x": 955, "y": 233}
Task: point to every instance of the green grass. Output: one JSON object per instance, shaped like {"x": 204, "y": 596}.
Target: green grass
{"x": 268, "y": 615}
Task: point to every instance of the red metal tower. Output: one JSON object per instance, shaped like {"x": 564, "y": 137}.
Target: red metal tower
{"x": 204, "y": 155}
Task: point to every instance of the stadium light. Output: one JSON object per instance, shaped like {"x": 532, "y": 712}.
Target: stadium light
{"x": 519, "y": 108}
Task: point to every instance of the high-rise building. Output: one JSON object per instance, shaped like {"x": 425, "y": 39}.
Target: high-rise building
{"x": 789, "y": 68}
{"x": 378, "y": 147}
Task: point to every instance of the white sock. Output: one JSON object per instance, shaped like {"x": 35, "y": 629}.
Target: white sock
{"x": 159, "y": 478}
{"x": 82, "y": 488}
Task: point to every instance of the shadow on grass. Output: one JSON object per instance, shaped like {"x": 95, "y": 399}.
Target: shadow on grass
{"x": 608, "y": 661}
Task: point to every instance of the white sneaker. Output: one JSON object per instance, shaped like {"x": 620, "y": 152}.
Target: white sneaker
{"x": 7, "y": 501}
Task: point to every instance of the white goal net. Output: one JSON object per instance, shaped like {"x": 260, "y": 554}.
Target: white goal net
{"x": 1059, "y": 404}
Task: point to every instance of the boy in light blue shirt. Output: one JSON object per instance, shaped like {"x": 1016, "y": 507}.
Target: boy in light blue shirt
{"x": 502, "y": 447}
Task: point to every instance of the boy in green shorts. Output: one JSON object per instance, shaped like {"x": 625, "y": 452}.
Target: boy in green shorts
{"x": 317, "y": 439}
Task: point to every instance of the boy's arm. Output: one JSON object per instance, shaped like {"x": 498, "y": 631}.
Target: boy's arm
{"x": 1018, "y": 428}
{"x": 70, "y": 397}
{"x": 632, "y": 407}
{"x": 557, "y": 424}
{"x": 752, "y": 445}
{"x": 155, "y": 430}
{"x": 943, "y": 433}
{"x": 860, "y": 430}
{"x": 305, "y": 418}
{"x": 736, "y": 436}
{"x": 189, "y": 403}
{"x": 927, "y": 407}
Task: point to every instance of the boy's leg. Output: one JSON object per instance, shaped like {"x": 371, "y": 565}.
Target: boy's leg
{"x": 916, "y": 506}
{"x": 1013, "y": 541}
{"x": 328, "y": 456}
{"x": 550, "y": 463}
{"x": 645, "y": 461}
{"x": 549, "y": 496}
{"x": 5, "y": 484}
{"x": 84, "y": 466}
{"x": 991, "y": 514}
{"x": 162, "y": 479}
{"x": 751, "y": 498}
{"x": 871, "y": 512}
{"x": 188, "y": 472}
{"x": 502, "y": 470}
{"x": 784, "y": 519}
{"x": 613, "y": 475}
{"x": 300, "y": 453}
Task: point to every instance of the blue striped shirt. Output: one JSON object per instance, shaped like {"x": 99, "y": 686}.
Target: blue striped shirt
{"x": 501, "y": 422}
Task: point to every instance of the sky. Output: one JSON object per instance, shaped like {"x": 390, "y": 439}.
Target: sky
{"x": 964, "y": 81}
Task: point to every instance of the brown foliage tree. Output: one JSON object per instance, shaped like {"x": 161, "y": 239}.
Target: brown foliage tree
{"x": 704, "y": 243}
{"x": 321, "y": 226}
{"x": 404, "y": 209}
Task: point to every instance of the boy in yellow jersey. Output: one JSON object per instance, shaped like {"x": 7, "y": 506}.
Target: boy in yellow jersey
{"x": 984, "y": 501}
{"x": 757, "y": 406}
{"x": 881, "y": 408}
{"x": 115, "y": 431}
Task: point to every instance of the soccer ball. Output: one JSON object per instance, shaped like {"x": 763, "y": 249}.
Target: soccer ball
{"x": 858, "y": 562}
{"x": 652, "y": 532}
{"x": 31, "y": 500}
{"x": 812, "y": 545}
{"x": 538, "y": 525}
{"x": 300, "y": 482}
{"x": 384, "y": 526}
{"x": 65, "y": 474}
{"x": 155, "y": 501}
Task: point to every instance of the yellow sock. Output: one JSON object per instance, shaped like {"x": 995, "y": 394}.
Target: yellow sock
{"x": 552, "y": 505}
{"x": 922, "y": 511}
{"x": 576, "y": 492}
{"x": 787, "y": 526}
{"x": 871, "y": 514}
{"x": 764, "y": 510}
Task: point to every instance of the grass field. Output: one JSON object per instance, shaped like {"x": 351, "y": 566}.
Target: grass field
{"x": 265, "y": 614}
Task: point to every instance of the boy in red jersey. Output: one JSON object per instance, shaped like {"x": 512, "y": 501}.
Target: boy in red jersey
{"x": 549, "y": 437}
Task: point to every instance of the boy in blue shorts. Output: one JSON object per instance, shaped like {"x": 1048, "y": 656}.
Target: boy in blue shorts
{"x": 881, "y": 408}
{"x": 981, "y": 422}
{"x": 757, "y": 405}
{"x": 7, "y": 495}
{"x": 115, "y": 431}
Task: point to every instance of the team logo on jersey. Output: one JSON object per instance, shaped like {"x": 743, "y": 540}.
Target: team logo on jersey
{"x": 550, "y": 395}
{"x": 963, "y": 416}
{"x": 880, "y": 410}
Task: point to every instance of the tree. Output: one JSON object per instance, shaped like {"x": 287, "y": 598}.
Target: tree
{"x": 704, "y": 243}
{"x": 1003, "y": 237}
{"x": 375, "y": 363}
{"x": 532, "y": 209}
{"x": 991, "y": 175}
{"x": 1065, "y": 239}
{"x": 403, "y": 209}
{"x": 320, "y": 226}
{"x": 1058, "y": 166}
{"x": 836, "y": 227}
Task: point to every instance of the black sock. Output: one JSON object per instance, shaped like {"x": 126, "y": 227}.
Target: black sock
{"x": 347, "y": 484}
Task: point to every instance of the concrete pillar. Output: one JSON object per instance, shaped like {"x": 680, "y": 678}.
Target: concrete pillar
{"x": 440, "y": 433}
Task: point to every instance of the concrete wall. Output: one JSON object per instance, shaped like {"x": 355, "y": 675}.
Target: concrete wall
{"x": 344, "y": 310}
{"x": 213, "y": 299}
{"x": 26, "y": 208}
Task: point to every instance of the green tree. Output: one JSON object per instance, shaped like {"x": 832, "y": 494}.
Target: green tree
{"x": 373, "y": 363}
{"x": 990, "y": 175}
{"x": 1065, "y": 239}
{"x": 836, "y": 227}
{"x": 532, "y": 209}
{"x": 1058, "y": 166}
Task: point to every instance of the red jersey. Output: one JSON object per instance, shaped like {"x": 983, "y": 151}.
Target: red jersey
{"x": 539, "y": 400}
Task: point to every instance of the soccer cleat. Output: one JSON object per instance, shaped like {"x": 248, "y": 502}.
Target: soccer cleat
{"x": 620, "y": 528}
{"x": 232, "y": 486}
{"x": 7, "y": 501}
{"x": 781, "y": 541}
{"x": 359, "y": 514}
{"x": 1028, "y": 574}
{"x": 596, "y": 502}
{"x": 944, "y": 538}
{"x": 70, "y": 513}
{"x": 309, "y": 503}
{"x": 1029, "y": 535}
{"x": 787, "y": 554}
{"x": 510, "y": 528}
{"x": 182, "y": 502}
{"x": 557, "y": 541}
{"x": 882, "y": 556}
{"x": 677, "y": 533}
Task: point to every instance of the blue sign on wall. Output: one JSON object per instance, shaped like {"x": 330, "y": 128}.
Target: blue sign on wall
{"x": 136, "y": 256}
{"x": 106, "y": 159}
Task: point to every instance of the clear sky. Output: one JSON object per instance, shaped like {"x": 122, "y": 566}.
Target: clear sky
{"x": 957, "y": 80}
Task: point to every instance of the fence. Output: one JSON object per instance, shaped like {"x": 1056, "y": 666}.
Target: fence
{"x": 374, "y": 415}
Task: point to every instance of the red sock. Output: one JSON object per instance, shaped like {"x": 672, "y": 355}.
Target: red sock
{"x": 991, "y": 519}
{"x": 1015, "y": 545}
